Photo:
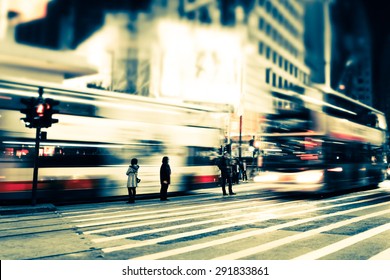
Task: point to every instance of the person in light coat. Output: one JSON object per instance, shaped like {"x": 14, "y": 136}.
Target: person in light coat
{"x": 132, "y": 179}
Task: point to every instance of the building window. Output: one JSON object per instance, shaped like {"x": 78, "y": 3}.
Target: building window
{"x": 274, "y": 34}
{"x": 261, "y": 47}
{"x": 268, "y": 52}
{"x": 274, "y": 13}
{"x": 275, "y": 58}
{"x": 273, "y": 79}
{"x": 267, "y": 75}
{"x": 261, "y": 23}
{"x": 268, "y": 6}
{"x": 268, "y": 29}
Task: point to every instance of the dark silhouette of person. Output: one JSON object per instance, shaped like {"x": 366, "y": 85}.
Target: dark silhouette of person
{"x": 236, "y": 170}
{"x": 165, "y": 178}
{"x": 243, "y": 168}
{"x": 226, "y": 173}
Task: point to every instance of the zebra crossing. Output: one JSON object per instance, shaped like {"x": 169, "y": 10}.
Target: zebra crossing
{"x": 248, "y": 226}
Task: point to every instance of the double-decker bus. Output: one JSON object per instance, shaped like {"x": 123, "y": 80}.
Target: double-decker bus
{"x": 321, "y": 141}
{"x": 86, "y": 154}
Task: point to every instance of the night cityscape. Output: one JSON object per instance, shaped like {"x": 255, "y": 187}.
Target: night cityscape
{"x": 194, "y": 130}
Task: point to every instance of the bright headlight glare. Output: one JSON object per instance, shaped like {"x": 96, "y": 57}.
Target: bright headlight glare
{"x": 310, "y": 177}
{"x": 266, "y": 177}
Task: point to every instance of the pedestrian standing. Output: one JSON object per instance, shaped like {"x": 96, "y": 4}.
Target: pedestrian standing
{"x": 236, "y": 170}
{"x": 226, "y": 168}
{"x": 132, "y": 179}
{"x": 165, "y": 178}
{"x": 243, "y": 168}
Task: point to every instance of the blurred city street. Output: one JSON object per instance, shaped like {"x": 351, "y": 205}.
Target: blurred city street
{"x": 265, "y": 121}
{"x": 253, "y": 224}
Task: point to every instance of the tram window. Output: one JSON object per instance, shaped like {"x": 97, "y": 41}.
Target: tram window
{"x": 57, "y": 156}
{"x": 79, "y": 156}
{"x": 78, "y": 109}
{"x": 202, "y": 156}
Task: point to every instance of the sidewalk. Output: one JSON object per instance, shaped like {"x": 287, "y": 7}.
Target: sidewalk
{"x": 26, "y": 209}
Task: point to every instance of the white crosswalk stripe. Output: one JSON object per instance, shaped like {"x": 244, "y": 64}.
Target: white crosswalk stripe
{"x": 343, "y": 243}
{"x": 184, "y": 226}
{"x": 240, "y": 236}
{"x": 287, "y": 240}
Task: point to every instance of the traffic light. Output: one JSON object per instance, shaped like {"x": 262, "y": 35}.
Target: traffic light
{"x": 46, "y": 119}
{"x": 29, "y": 111}
{"x": 39, "y": 112}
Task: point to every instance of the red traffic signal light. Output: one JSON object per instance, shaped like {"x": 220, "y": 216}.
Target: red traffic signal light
{"x": 39, "y": 112}
{"x": 49, "y": 111}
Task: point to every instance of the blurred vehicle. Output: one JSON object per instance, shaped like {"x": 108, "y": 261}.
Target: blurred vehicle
{"x": 322, "y": 142}
{"x": 87, "y": 153}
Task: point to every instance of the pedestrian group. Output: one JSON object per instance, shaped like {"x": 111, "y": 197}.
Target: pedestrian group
{"x": 231, "y": 170}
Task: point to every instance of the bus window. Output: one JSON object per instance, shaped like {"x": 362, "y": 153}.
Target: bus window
{"x": 289, "y": 121}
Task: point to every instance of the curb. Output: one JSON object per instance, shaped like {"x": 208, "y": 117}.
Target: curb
{"x": 26, "y": 209}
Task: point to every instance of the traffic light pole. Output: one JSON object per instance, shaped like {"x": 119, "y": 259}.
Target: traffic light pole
{"x": 39, "y": 113}
{"x": 36, "y": 166}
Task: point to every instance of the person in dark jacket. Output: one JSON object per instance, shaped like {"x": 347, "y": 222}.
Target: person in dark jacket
{"x": 225, "y": 166}
{"x": 165, "y": 178}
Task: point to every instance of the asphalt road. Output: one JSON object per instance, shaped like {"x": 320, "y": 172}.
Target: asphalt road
{"x": 252, "y": 225}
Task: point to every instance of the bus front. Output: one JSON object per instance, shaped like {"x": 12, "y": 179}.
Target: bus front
{"x": 291, "y": 152}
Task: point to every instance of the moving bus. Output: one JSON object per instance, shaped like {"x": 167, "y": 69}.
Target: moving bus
{"x": 86, "y": 154}
{"x": 319, "y": 141}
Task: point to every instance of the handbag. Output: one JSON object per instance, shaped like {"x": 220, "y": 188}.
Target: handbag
{"x": 138, "y": 180}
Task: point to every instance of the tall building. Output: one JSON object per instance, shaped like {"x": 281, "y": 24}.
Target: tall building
{"x": 352, "y": 52}
{"x": 276, "y": 60}
{"x": 278, "y": 29}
